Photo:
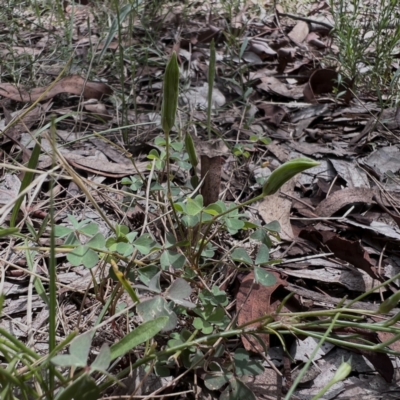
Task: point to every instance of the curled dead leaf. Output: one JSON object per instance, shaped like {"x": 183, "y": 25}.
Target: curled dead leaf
{"x": 73, "y": 84}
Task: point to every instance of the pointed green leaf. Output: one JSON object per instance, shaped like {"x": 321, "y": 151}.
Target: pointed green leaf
{"x": 26, "y": 181}
{"x": 84, "y": 388}
{"x": 103, "y": 359}
{"x": 67, "y": 360}
{"x": 123, "y": 12}
{"x": 285, "y": 172}
{"x": 170, "y": 94}
{"x": 80, "y": 346}
{"x": 157, "y": 307}
{"x": 143, "y": 332}
{"x": 8, "y": 231}
{"x": 191, "y": 150}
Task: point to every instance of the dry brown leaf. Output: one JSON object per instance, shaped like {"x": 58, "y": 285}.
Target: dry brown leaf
{"x": 277, "y": 208}
{"x": 299, "y": 32}
{"x": 211, "y": 173}
{"x": 276, "y": 87}
{"x": 274, "y": 114}
{"x": 351, "y": 251}
{"x": 73, "y": 84}
{"x": 254, "y": 305}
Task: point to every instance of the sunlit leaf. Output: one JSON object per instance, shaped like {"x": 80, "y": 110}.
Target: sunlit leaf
{"x": 139, "y": 335}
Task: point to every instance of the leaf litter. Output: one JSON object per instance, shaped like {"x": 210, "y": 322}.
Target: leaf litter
{"x": 339, "y": 222}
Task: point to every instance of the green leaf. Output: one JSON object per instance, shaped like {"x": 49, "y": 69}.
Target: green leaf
{"x": 89, "y": 229}
{"x": 262, "y": 237}
{"x": 191, "y": 150}
{"x": 154, "y": 283}
{"x": 245, "y": 365}
{"x": 74, "y": 221}
{"x": 262, "y": 255}
{"x": 146, "y": 273}
{"x": 125, "y": 249}
{"x": 389, "y": 303}
{"x": 285, "y": 172}
{"x": 204, "y": 326}
{"x": 124, "y": 282}
{"x": 179, "y": 290}
{"x": 80, "y": 346}
{"x": 233, "y": 225}
{"x": 145, "y": 244}
{"x": 103, "y": 359}
{"x": 170, "y": 94}
{"x": 98, "y": 241}
{"x": 215, "y": 297}
{"x": 194, "y": 206}
{"x": 68, "y": 360}
{"x": 191, "y": 220}
{"x": 217, "y": 315}
{"x": 173, "y": 259}
{"x": 215, "y": 382}
{"x": 61, "y": 231}
{"x": 273, "y": 226}
{"x": 213, "y": 209}
{"x": 83, "y": 255}
{"x": 26, "y": 181}
{"x": 157, "y": 307}
{"x": 243, "y": 47}
{"x": 123, "y": 12}
{"x": 84, "y": 388}
{"x": 240, "y": 255}
{"x": 78, "y": 352}
{"x": 263, "y": 277}
{"x": 237, "y": 390}
{"x": 139, "y": 335}
{"x": 121, "y": 230}
{"x": 8, "y": 231}
{"x": 153, "y": 155}
{"x": 72, "y": 240}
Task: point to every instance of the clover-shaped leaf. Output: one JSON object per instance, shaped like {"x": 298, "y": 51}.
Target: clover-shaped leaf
{"x": 83, "y": 255}
{"x": 262, "y": 255}
{"x": 157, "y": 307}
{"x": 78, "y": 352}
{"x": 263, "y": 277}
{"x": 245, "y": 365}
{"x": 240, "y": 255}
{"x": 173, "y": 259}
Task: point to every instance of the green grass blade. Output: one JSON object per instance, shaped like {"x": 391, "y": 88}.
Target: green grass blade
{"x": 52, "y": 269}
{"x": 123, "y": 12}
{"x": 8, "y": 231}
{"x": 41, "y": 291}
{"x": 32, "y": 163}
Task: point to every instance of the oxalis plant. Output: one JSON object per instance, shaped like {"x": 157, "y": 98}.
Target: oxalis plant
{"x": 170, "y": 273}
